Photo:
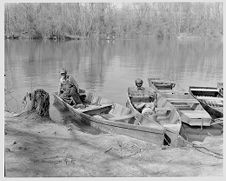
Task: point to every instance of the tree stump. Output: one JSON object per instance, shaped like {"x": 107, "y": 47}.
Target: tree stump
{"x": 37, "y": 101}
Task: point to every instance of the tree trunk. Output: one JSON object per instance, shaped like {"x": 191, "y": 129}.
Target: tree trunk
{"x": 37, "y": 101}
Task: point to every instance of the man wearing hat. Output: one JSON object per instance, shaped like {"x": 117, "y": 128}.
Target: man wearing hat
{"x": 68, "y": 88}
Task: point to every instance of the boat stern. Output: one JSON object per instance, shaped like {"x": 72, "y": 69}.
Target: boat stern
{"x": 196, "y": 118}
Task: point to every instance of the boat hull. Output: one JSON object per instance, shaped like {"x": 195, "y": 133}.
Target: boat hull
{"x": 196, "y": 120}
{"x": 161, "y": 84}
{"x": 214, "y": 113}
{"x": 189, "y": 108}
{"x": 171, "y": 129}
{"x": 210, "y": 98}
{"x": 151, "y": 135}
{"x": 198, "y": 133}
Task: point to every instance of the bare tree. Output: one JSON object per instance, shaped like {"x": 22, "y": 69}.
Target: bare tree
{"x": 104, "y": 19}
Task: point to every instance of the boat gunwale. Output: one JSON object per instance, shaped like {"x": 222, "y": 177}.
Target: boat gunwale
{"x": 137, "y": 112}
{"x": 110, "y": 122}
{"x": 180, "y": 111}
{"x": 202, "y": 87}
{"x": 152, "y": 81}
{"x": 214, "y": 109}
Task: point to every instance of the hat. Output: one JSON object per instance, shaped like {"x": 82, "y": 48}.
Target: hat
{"x": 139, "y": 81}
{"x": 63, "y": 71}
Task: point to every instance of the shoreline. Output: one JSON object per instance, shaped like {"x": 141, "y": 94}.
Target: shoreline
{"x": 36, "y": 147}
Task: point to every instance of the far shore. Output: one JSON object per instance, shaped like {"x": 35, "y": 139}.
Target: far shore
{"x": 179, "y": 37}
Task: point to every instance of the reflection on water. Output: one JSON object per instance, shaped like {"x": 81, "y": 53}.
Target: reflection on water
{"x": 108, "y": 68}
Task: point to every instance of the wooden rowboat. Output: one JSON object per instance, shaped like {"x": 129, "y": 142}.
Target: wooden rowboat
{"x": 162, "y": 84}
{"x": 196, "y": 121}
{"x": 189, "y": 108}
{"x": 111, "y": 117}
{"x": 165, "y": 114}
{"x": 210, "y": 98}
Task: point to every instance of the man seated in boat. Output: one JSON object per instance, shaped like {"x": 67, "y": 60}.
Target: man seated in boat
{"x": 138, "y": 90}
{"x": 140, "y": 95}
{"x": 148, "y": 110}
{"x": 69, "y": 90}
{"x": 139, "y": 82}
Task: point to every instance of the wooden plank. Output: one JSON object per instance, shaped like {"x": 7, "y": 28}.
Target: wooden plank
{"x": 196, "y": 114}
{"x": 92, "y": 108}
{"x": 148, "y": 136}
{"x": 160, "y": 81}
{"x": 120, "y": 118}
{"x": 204, "y": 89}
{"x": 182, "y": 100}
{"x": 163, "y": 109}
{"x": 102, "y": 109}
{"x": 210, "y": 98}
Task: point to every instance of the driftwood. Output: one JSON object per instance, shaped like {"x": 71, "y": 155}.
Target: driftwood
{"x": 37, "y": 101}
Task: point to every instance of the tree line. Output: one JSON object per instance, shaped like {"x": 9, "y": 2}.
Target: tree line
{"x": 109, "y": 21}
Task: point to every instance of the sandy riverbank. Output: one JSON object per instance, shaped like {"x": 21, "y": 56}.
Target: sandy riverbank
{"x": 36, "y": 147}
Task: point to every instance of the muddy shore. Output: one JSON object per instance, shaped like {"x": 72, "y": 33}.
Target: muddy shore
{"x": 35, "y": 147}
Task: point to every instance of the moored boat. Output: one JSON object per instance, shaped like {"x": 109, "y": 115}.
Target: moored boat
{"x": 210, "y": 98}
{"x": 196, "y": 120}
{"x": 220, "y": 88}
{"x": 164, "y": 113}
{"x": 111, "y": 117}
{"x": 161, "y": 84}
{"x": 189, "y": 108}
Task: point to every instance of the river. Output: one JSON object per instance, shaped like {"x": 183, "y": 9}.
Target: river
{"x": 107, "y": 67}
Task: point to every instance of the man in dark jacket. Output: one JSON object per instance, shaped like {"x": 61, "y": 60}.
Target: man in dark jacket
{"x": 68, "y": 88}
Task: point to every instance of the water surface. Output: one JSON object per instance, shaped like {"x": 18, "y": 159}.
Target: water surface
{"x": 108, "y": 68}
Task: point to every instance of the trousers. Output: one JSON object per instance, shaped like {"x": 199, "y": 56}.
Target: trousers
{"x": 71, "y": 92}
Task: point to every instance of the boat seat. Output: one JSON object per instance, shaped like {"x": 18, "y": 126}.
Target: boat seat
{"x": 139, "y": 99}
{"x": 194, "y": 106}
{"x": 196, "y": 114}
{"x": 218, "y": 99}
{"x": 204, "y": 89}
{"x": 118, "y": 110}
{"x": 163, "y": 109}
{"x": 182, "y": 100}
{"x": 183, "y": 107}
{"x": 163, "y": 113}
{"x": 124, "y": 118}
{"x": 145, "y": 92}
{"x": 95, "y": 109}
